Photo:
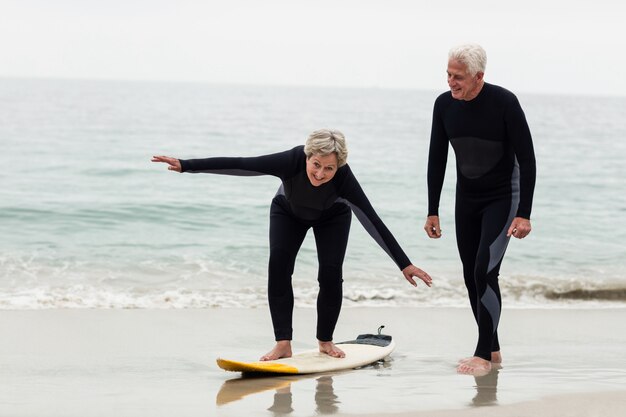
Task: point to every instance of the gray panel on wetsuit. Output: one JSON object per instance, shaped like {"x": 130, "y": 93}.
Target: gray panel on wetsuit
{"x": 475, "y": 157}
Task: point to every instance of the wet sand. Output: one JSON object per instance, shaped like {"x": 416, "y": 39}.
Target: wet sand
{"x": 162, "y": 362}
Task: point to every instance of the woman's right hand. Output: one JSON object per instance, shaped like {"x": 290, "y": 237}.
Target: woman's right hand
{"x": 173, "y": 163}
{"x": 412, "y": 271}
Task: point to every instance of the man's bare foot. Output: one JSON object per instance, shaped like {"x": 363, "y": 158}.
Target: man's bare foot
{"x": 281, "y": 350}
{"x": 496, "y": 357}
{"x": 331, "y": 349}
{"x": 475, "y": 366}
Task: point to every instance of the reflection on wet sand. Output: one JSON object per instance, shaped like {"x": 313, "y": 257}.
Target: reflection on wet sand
{"x": 236, "y": 389}
{"x": 283, "y": 403}
{"x": 487, "y": 388}
{"x": 326, "y": 401}
{"x": 325, "y": 398}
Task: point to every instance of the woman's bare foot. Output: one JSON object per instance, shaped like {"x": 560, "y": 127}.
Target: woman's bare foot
{"x": 474, "y": 366}
{"x": 281, "y": 350}
{"x": 331, "y": 349}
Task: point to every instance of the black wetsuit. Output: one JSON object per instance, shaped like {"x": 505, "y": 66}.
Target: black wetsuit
{"x": 297, "y": 207}
{"x": 495, "y": 164}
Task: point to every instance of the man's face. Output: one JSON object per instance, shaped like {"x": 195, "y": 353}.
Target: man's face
{"x": 463, "y": 85}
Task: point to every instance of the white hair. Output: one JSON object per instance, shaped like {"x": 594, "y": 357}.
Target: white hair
{"x": 472, "y": 55}
{"x": 325, "y": 142}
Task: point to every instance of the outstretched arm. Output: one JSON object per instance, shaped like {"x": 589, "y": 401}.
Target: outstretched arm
{"x": 279, "y": 164}
{"x": 355, "y": 198}
{"x": 173, "y": 163}
{"x": 412, "y": 271}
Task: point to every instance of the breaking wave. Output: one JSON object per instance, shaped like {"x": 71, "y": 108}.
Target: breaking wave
{"x": 445, "y": 294}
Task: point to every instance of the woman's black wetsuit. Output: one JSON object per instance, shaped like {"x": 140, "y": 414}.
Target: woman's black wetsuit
{"x": 297, "y": 207}
{"x": 495, "y": 164}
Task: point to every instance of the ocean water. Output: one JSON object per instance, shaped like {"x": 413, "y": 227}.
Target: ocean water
{"x": 87, "y": 221}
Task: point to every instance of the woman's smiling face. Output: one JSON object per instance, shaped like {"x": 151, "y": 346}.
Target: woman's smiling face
{"x": 321, "y": 168}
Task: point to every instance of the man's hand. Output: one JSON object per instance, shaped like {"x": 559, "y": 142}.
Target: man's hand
{"x": 433, "y": 230}
{"x": 520, "y": 228}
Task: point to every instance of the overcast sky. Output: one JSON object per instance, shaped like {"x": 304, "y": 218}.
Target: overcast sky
{"x": 533, "y": 46}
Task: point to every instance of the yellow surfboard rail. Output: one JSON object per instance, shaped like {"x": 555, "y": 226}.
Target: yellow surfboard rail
{"x": 269, "y": 366}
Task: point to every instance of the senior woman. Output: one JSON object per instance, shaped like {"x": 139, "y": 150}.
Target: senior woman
{"x": 318, "y": 191}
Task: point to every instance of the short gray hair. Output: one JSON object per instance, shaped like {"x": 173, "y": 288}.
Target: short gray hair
{"x": 472, "y": 55}
{"x": 325, "y": 142}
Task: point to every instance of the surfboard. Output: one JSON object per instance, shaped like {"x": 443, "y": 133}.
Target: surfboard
{"x": 364, "y": 350}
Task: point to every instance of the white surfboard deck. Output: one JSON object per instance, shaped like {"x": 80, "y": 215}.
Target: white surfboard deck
{"x": 312, "y": 361}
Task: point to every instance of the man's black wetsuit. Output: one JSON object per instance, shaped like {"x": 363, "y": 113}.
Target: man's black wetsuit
{"x": 298, "y": 206}
{"x": 495, "y": 164}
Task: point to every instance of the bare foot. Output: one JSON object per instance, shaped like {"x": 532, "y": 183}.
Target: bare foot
{"x": 281, "y": 350}
{"x": 331, "y": 349}
{"x": 496, "y": 357}
{"x": 475, "y": 366}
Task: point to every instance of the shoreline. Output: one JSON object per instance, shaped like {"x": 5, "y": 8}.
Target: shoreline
{"x": 162, "y": 362}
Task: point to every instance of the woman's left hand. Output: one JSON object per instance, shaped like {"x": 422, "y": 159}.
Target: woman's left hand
{"x": 173, "y": 163}
{"x": 412, "y": 271}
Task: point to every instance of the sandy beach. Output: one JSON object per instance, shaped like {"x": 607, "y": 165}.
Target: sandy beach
{"x": 557, "y": 362}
